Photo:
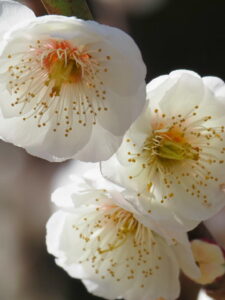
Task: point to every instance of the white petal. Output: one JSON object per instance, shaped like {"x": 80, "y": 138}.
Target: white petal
{"x": 58, "y": 147}
{"x": 158, "y": 87}
{"x": 123, "y": 110}
{"x": 195, "y": 209}
{"x": 60, "y": 237}
{"x": 213, "y": 83}
{"x": 186, "y": 259}
{"x": 186, "y": 93}
{"x": 179, "y": 73}
{"x": 203, "y": 296}
{"x": 62, "y": 197}
{"x": 93, "y": 148}
{"x": 156, "y": 82}
{"x": 54, "y": 231}
{"x": 11, "y": 14}
{"x": 220, "y": 93}
{"x": 13, "y": 130}
{"x": 163, "y": 282}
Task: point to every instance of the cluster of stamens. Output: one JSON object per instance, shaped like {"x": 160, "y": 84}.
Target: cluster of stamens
{"x": 179, "y": 148}
{"x": 55, "y": 81}
{"x": 114, "y": 228}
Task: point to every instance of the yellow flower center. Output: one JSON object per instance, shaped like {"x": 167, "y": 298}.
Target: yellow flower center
{"x": 126, "y": 225}
{"x": 181, "y": 150}
{"x": 64, "y": 65}
{"x": 113, "y": 239}
{"x": 170, "y": 145}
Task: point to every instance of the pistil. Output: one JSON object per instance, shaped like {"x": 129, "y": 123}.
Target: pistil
{"x": 170, "y": 149}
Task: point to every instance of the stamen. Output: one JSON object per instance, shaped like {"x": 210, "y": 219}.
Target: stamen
{"x": 110, "y": 230}
{"x": 180, "y": 150}
{"x": 57, "y": 82}
{"x": 169, "y": 147}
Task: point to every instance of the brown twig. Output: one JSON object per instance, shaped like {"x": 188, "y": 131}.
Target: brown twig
{"x": 36, "y": 6}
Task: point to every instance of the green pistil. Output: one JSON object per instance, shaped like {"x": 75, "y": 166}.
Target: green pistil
{"x": 176, "y": 151}
{"x": 63, "y": 73}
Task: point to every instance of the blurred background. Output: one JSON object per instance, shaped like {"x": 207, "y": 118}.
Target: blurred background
{"x": 171, "y": 34}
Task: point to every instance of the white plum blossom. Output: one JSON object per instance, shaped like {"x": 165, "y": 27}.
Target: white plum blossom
{"x": 97, "y": 236}
{"x": 68, "y": 87}
{"x": 173, "y": 155}
{"x": 203, "y": 296}
{"x": 210, "y": 259}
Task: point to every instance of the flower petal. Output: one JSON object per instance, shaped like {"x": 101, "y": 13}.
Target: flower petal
{"x": 11, "y": 14}
{"x": 54, "y": 148}
{"x": 213, "y": 82}
{"x": 93, "y": 149}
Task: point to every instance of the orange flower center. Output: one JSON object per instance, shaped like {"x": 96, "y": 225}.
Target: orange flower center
{"x": 170, "y": 144}
{"x": 63, "y": 64}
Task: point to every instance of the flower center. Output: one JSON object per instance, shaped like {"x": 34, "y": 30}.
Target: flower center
{"x": 169, "y": 145}
{"x": 125, "y": 223}
{"x": 63, "y": 64}
{"x": 116, "y": 244}
{"x": 55, "y": 81}
{"x": 181, "y": 150}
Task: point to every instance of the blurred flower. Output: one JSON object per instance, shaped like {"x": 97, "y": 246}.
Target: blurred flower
{"x": 210, "y": 260}
{"x": 99, "y": 237}
{"x": 173, "y": 155}
{"x": 203, "y": 296}
{"x": 68, "y": 86}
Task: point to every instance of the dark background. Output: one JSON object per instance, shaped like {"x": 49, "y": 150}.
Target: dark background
{"x": 183, "y": 34}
